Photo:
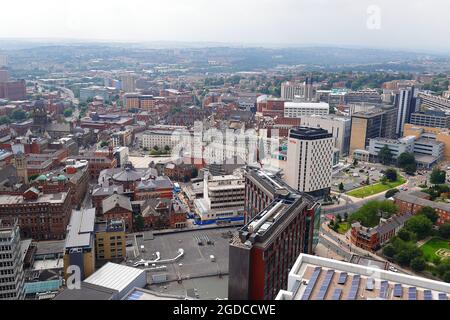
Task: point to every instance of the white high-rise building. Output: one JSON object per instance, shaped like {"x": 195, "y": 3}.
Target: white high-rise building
{"x": 339, "y": 127}
{"x": 11, "y": 263}
{"x": 310, "y": 160}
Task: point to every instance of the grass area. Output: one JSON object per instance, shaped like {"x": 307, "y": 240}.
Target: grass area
{"x": 343, "y": 227}
{"x": 375, "y": 188}
{"x": 431, "y": 247}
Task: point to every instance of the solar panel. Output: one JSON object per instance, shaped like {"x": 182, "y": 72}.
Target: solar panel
{"x": 370, "y": 284}
{"x": 442, "y": 296}
{"x": 398, "y": 290}
{"x": 311, "y": 283}
{"x": 427, "y": 295}
{"x": 354, "y": 288}
{"x": 325, "y": 285}
{"x": 337, "y": 294}
{"x": 412, "y": 293}
{"x": 342, "y": 278}
{"x": 384, "y": 289}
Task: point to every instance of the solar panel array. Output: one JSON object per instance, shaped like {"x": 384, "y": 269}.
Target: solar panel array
{"x": 427, "y": 295}
{"x": 337, "y": 294}
{"x": 135, "y": 295}
{"x": 311, "y": 283}
{"x": 342, "y": 278}
{"x": 398, "y": 290}
{"x": 412, "y": 293}
{"x": 442, "y": 296}
{"x": 384, "y": 289}
{"x": 354, "y": 288}
{"x": 325, "y": 285}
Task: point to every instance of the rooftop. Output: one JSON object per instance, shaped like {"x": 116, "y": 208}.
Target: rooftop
{"x": 114, "y": 276}
{"x": 317, "y": 278}
{"x": 53, "y": 198}
{"x": 80, "y": 229}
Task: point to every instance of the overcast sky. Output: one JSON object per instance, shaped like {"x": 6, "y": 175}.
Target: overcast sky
{"x": 412, "y": 24}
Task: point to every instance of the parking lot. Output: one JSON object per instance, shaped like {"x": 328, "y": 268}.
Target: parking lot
{"x": 355, "y": 177}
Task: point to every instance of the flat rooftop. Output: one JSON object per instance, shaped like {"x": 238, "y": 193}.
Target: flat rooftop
{"x": 43, "y": 198}
{"x": 317, "y": 278}
{"x": 194, "y": 264}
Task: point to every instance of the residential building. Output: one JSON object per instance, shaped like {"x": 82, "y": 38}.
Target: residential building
{"x": 122, "y": 138}
{"x": 79, "y": 249}
{"x": 318, "y": 278}
{"x": 411, "y": 203}
{"x": 372, "y": 239}
{"x": 310, "y": 160}
{"x": 11, "y": 261}
{"x": 266, "y": 248}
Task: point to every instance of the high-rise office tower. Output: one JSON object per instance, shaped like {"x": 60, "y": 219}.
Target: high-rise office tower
{"x": 11, "y": 262}
{"x": 405, "y": 101}
{"x": 266, "y": 247}
{"x": 310, "y": 160}
{"x": 365, "y": 125}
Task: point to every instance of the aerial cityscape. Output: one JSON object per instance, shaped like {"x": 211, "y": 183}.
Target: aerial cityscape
{"x": 217, "y": 168}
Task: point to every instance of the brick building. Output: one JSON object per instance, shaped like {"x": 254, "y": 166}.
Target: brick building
{"x": 41, "y": 216}
{"x": 413, "y": 202}
{"x": 118, "y": 207}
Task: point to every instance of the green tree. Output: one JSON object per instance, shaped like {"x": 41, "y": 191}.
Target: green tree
{"x": 385, "y": 155}
{"x": 404, "y": 234}
{"x": 68, "y": 113}
{"x": 370, "y": 213}
{"x": 444, "y": 230}
{"x": 391, "y": 174}
{"x": 341, "y": 187}
{"x": 390, "y": 193}
{"x": 5, "y": 120}
{"x": 18, "y": 115}
{"x": 420, "y": 225}
{"x": 139, "y": 223}
{"x": 437, "y": 176}
{"x": 429, "y": 213}
{"x": 407, "y": 162}
{"x": 418, "y": 264}
{"x": 389, "y": 251}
